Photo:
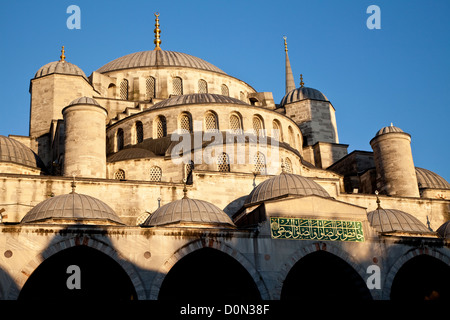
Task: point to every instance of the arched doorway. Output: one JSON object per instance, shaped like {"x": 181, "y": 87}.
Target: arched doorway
{"x": 101, "y": 278}
{"x": 422, "y": 278}
{"x": 208, "y": 275}
{"x": 323, "y": 276}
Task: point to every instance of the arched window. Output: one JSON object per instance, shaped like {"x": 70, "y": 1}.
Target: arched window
{"x": 202, "y": 86}
{"x": 211, "y": 123}
{"x": 177, "y": 86}
{"x": 150, "y": 88}
{"x": 139, "y": 132}
{"x": 111, "y": 90}
{"x": 259, "y": 163}
{"x": 288, "y": 165}
{"x": 258, "y": 126}
{"x": 223, "y": 162}
{"x": 185, "y": 123}
{"x": 188, "y": 170}
{"x": 124, "y": 89}
{"x": 119, "y": 140}
{"x": 155, "y": 174}
{"x": 224, "y": 90}
{"x": 276, "y": 127}
{"x": 119, "y": 175}
{"x": 161, "y": 127}
{"x": 291, "y": 137}
{"x": 235, "y": 124}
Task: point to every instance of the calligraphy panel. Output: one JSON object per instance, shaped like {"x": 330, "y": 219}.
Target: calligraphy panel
{"x": 316, "y": 229}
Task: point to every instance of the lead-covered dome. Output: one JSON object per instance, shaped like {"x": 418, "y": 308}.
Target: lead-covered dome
{"x": 285, "y": 184}
{"x": 189, "y": 212}
{"x": 388, "y": 129}
{"x": 303, "y": 93}
{"x": 430, "y": 179}
{"x": 84, "y": 100}
{"x": 197, "y": 98}
{"x": 59, "y": 67}
{"x": 16, "y": 152}
{"x": 389, "y": 220}
{"x": 158, "y": 58}
{"x": 72, "y": 208}
{"x": 444, "y": 230}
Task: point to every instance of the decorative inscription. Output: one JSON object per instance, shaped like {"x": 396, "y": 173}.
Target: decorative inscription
{"x": 316, "y": 229}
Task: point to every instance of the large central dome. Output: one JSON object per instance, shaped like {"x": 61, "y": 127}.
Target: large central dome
{"x": 158, "y": 58}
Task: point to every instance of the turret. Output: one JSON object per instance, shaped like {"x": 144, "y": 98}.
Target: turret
{"x": 396, "y": 174}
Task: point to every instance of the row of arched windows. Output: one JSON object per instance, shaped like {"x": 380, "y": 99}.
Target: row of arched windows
{"x": 154, "y": 174}
{"x": 177, "y": 88}
{"x": 211, "y": 124}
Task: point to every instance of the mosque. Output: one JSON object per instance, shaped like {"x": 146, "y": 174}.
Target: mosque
{"x": 162, "y": 177}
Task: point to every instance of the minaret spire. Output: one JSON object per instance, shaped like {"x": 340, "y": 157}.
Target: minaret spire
{"x": 290, "y": 83}
{"x": 157, "y": 31}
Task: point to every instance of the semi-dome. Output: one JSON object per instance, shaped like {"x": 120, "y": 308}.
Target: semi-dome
{"x": 84, "y": 100}
{"x": 285, "y": 184}
{"x": 158, "y": 58}
{"x": 16, "y": 152}
{"x": 303, "y": 93}
{"x": 389, "y": 220}
{"x": 130, "y": 153}
{"x": 430, "y": 179}
{"x": 444, "y": 230}
{"x": 197, "y": 98}
{"x": 72, "y": 208}
{"x": 189, "y": 212}
{"x": 388, "y": 129}
{"x": 59, "y": 67}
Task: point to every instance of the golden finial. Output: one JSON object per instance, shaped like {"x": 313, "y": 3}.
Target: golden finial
{"x": 62, "y": 56}
{"x": 301, "y": 81}
{"x": 185, "y": 189}
{"x": 157, "y": 31}
{"x": 378, "y": 200}
{"x": 285, "y": 43}
{"x": 73, "y": 185}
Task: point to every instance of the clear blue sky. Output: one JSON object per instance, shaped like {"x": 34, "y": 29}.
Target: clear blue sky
{"x": 399, "y": 74}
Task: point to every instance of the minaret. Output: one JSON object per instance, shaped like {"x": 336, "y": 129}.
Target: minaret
{"x": 290, "y": 83}
{"x": 157, "y": 31}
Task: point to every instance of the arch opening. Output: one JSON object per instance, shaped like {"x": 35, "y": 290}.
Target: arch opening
{"x": 322, "y": 275}
{"x": 208, "y": 274}
{"x": 422, "y": 278}
{"x": 100, "y": 278}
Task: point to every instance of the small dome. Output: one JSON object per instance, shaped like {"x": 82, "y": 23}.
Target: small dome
{"x": 189, "y": 212}
{"x": 197, "y": 98}
{"x": 158, "y": 58}
{"x": 13, "y": 151}
{"x": 72, "y": 208}
{"x": 130, "y": 153}
{"x": 84, "y": 100}
{"x": 444, "y": 230}
{"x": 429, "y": 179}
{"x": 387, "y": 220}
{"x": 388, "y": 129}
{"x": 59, "y": 67}
{"x": 303, "y": 93}
{"x": 285, "y": 184}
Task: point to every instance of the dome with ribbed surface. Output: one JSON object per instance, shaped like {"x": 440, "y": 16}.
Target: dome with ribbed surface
{"x": 197, "y": 98}
{"x": 158, "y": 58}
{"x": 13, "y": 151}
{"x": 389, "y": 129}
{"x": 389, "y": 220}
{"x": 189, "y": 212}
{"x": 444, "y": 230}
{"x": 84, "y": 100}
{"x": 285, "y": 184}
{"x": 72, "y": 208}
{"x": 59, "y": 67}
{"x": 429, "y": 179}
{"x": 303, "y": 93}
